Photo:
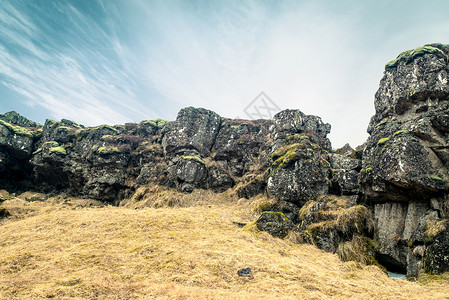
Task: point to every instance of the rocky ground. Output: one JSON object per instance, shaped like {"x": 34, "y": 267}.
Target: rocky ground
{"x": 384, "y": 203}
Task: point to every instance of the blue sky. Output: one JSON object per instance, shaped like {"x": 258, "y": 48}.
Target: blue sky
{"x": 117, "y": 61}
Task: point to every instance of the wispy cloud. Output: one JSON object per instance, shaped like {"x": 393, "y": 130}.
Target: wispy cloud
{"x": 115, "y": 61}
{"x": 77, "y": 74}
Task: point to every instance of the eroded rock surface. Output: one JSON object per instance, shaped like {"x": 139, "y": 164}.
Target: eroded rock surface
{"x": 405, "y": 162}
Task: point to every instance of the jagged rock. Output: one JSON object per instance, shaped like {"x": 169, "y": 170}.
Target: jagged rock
{"x": 405, "y": 153}
{"x": 436, "y": 259}
{"x": 289, "y": 122}
{"x": 276, "y": 223}
{"x": 346, "y": 150}
{"x": 190, "y": 171}
{"x": 332, "y": 220}
{"x": 346, "y": 162}
{"x": 242, "y": 145}
{"x": 18, "y": 140}
{"x": 299, "y": 173}
{"x": 194, "y": 128}
{"x": 16, "y": 146}
{"x": 406, "y": 157}
{"x": 345, "y": 171}
{"x": 13, "y": 117}
{"x": 300, "y": 169}
{"x": 345, "y": 182}
{"x": 218, "y": 180}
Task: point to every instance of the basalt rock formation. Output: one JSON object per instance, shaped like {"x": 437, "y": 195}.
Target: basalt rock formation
{"x": 385, "y": 201}
{"x": 405, "y": 162}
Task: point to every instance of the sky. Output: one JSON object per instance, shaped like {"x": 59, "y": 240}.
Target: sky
{"x": 117, "y": 61}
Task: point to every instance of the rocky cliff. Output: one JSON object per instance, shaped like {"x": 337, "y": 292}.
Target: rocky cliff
{"x": 406, "y": 159}
{"x": 384, "y": 202}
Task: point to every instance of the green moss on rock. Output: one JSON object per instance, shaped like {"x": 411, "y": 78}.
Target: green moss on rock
{"x": 196, "y": 158}
{"x": 108, "y": 150}
{"x": 105, "y": 127}
{"x": 436, "y": 177}
{"x": 433, "y": 228}
{"x": 158, "y": 123}
{"x": 51, "y": 144}
{"x": 400, "y": 132}
{"x": 17, "y": 129}
{"x": 383, "y": 141}
{"x": 284, "y": 156}
{"x": 58, "y": 150}
{"x": 409, "y": 55}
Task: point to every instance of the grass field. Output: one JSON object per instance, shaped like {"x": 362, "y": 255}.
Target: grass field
{"x": 189, "y": 248}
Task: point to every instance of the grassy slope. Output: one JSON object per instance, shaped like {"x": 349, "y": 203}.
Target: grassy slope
{"x": 65, "y": 251}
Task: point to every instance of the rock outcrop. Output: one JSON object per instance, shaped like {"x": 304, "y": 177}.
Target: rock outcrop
{"x": 405, "y": 163}
{"x": 198, "y": 150}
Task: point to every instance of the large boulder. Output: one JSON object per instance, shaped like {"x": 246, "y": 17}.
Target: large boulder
{"x": 300, "y": 167}
{"x": 276, "y": 223}
{"x": 405, "y": 162}
{"x": 194, "y": 128}
{"x": 18, "y": 137}
{"x": 436, "y": 260}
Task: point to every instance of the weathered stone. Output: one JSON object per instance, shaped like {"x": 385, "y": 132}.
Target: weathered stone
{"x": 338, "y": 161}
{"x": 190, "y": 172}
{"x": 406, "y": 158}
{"x": 298, "y": 174}
{"x": 436, "y": 259}
{"x": 194, "y": 128}
{"x": 345, "y": 182}
{"x": 276, "y": 223}
{"x": 15, "y": 118}
{"x": 218, "y": 180}
{"x": 253, "y": 185}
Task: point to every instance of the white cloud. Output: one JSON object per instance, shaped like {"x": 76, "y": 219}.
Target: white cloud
{"x": 141, "y": 59}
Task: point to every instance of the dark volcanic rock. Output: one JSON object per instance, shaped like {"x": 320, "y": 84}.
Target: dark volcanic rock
{"x": 437, "y": 254}
{"x": 276, "y": 223}
{"x": 405, "y": 162}
{"x": 17, "y": 143}
{"x": 194, "y": 128}
{"x": 300, "y": 167}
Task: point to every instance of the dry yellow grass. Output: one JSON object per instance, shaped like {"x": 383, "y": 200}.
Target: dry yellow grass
{"x": 65, "y": 251}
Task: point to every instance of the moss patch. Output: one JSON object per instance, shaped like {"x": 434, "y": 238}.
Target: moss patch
{"x": 59, "y": 150}
{"x": 107, "y": 150}
{"x": 51, "y": 144}
{"x": 400, "y": 132}
{"x": 196, "y": 158}
{"x": 433, "y": 228}
{"x": 17, "y": 129}
{"x": 435, "y": 177}
{"x": 285, "y": 156}
{"x": 383, "y": 141}
{"x": 409, "y": 55}
{"x": 158, "y": 123}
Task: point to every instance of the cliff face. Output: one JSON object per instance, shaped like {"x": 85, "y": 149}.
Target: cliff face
{"x": 198, "y": 150}
{"x": 406, "y": 158}
{"x": 387, "y": 200}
